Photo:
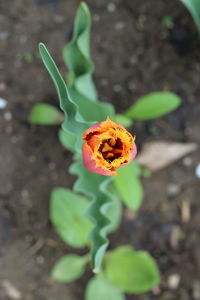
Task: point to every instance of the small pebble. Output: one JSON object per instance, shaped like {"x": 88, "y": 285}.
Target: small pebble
{"x": 119, "y": 25}
{"x": 52, "y": 165}
{"x": 133, "y": 60}
{"x": 23, "y": 39}
{"x": 54, "y": 176}
{"x": 197, "y": 171}
{"x": 32, "y": 159}
{"x": 59, "y": 19}
{"x": 14, "y": 139}
{"x": 25, "y": 194}
{"x": 173, "y": 281}
{"x": 3, "y": 103}
{"x": 40, "y": 259}
{"x": 196, "y": 290}
{"x": 187, "y": 161}
{"x": 104, "y": 82}
{"x": 3, "y": 88}
{"x": 132, "y": 86}
{"x": 96, "y": 18}
{"x": 111, "y": 7}
{"x": 8, "y": 116}
{"x": 173, "y": 189}
{"x": 117, "y": 88}
{"x": 11, "y": 291}
{"x": 4, "y": 35}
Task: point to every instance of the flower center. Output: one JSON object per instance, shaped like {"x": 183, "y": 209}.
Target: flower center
{"x": 111, "y": 149}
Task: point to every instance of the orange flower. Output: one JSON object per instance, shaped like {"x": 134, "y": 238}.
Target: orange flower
{"x": 108, "y": 146}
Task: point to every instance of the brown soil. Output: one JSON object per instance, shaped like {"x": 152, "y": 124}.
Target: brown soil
{"x": 132, "y": 59}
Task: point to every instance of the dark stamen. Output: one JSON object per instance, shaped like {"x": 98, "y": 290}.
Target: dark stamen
{"x": 111, "y": 149}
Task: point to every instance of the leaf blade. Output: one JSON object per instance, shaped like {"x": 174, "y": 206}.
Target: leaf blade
{"x": 132, "y": 271}
{"x": 45, "y": 114}
{"x": 95, "y": 187}
{"x": 69, "y": 268}
{"x": 77, "y": 58}
{"x": 129, "y": 186}
{"x": 153, "y": 105}
{"x": 67, "y": 140}
{"x": 194, "y": 8}
{"x": 67, "y": 213}
{"x": 73, "y": 123}
{"x": 99, "y": 288}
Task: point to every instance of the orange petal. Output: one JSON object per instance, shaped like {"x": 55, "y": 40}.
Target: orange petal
{"x": 90, "y": 163}
{"x": 92, "y": 130}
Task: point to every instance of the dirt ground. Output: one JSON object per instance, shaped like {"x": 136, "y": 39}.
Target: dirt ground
{"x": 132, "y": 58}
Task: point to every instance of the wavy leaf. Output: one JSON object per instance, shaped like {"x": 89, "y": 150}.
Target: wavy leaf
{"x": 77, "y": 58}
{"x": 90, "y": 184}
{"x": 96, "y": 188}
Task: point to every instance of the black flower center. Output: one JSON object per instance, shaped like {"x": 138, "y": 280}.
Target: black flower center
{"x": 111, "y": 149}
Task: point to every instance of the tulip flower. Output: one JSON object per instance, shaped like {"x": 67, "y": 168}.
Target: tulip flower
{"x": 107, "y": 146}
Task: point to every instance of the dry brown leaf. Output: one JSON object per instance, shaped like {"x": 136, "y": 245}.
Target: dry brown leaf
{"x": 160, "y": 154}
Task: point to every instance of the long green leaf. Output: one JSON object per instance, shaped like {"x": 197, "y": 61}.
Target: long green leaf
{"x": 74, "y": 122}
{"x": 92, "y": 185}
{"x": 194, "y": 8}
{"x": 77, "y": 58}
{"x": 75, "y": 125}
{"x": 153, "y": 105}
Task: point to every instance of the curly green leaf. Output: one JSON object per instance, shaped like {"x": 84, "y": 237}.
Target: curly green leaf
{"x": 77, "y": 58}
{"x": 95, "y": 187}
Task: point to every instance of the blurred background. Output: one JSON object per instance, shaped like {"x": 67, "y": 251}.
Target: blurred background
{"x": 135, "y": 52}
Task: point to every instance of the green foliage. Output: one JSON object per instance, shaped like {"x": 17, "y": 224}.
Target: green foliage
{"x": 114, "y": 212}
{"x": 78, "y": 101}
{"x": 123, "y": 120}
{"x": 77, "y": 58}
{"x": 95, "y": 187}
{"x": 99, "y": 288}
{"x": 76, "y": 125}
{"x": 194, "y": 8}
{"x": 128, "y": 185}
{"x": 67, "y": 140}
{"x": 45, "y": 114}
{"x": 69, "y": 268}
{"x": 74, "y": 122}
{"x": 67, "y": 213}
{"x": 132, "y": 271}
{"x": 153, "y": 105}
